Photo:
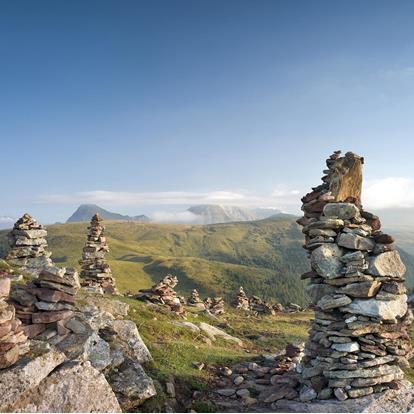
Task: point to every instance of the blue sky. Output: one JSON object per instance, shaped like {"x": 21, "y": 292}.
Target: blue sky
{"x": 144, "y": 105}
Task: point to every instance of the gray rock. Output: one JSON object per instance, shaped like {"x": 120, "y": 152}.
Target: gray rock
{"x": 340, "y": 394}
{"x": 333, "y": 301}
{"x": 189, "y": 325}
{"x": 344, "y": 211}
{"x": 346, "y": 347}
{"x": 355, "y": 242}
{"x": 364, "y": 373}
{"x": 361, "y": 290}
{"x": 387, "y": 264}
{"x": 385, "y": 310}
{"x": 74, "y": 387}
{"x": 325, "y": 261}
{"x": 214, "y": 332}
{"x": 307, "y": 394}
{"x": 226, "y": 392}
{"x": 131, "y": 384}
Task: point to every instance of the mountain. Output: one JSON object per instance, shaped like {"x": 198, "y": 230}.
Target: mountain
{"x": 6, "y": 222}
{"x": 86, "y": 211}
{"x": 214, "y": 213}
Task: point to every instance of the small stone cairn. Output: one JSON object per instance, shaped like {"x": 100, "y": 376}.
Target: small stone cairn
{"x": 359, "y": 339}
{"x": 242, "y": 301}
{"x": 217, "y": 306}
{"x": 28, "y": 246}
{"x": 163, "y": 293}
{"x": 96, "y": 273}
{"x": 13, "y": 341}
{"x": 195, "y": 300}
{"x": 46, "y": 304}
{"x": 259, "y": 307}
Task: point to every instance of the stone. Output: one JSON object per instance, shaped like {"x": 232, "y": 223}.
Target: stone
{"x": 361, "y": 290}
{"x": 344, "y": 211}
{"x": 226, "y": 392}
{"x": 18, "y": 380}
{"x": 243, "y": 393}
{"x": 333, "y": 301}
{"x": 384, "y": 310}
{"x": 387, "y": 264}
{"x": 130, "y": 340}
{"x": 364, "y": 373}
{"x": 170, "y": 389}
{"x": 214, "y": 332}
{"x": 325, "y": 261}
{"x": 360, "y": 392}
{"x": 238, "y": 380}
{"x": 346, "y": 347}
{"x": 307, "y": 394}
{"x": 341, "y": 394}
{"x": 52, "y": 316}
{"x": 74, "y": 387}
{"x": 189, "y": 325}
{"x": 355, "y": 242}
{"x": 131, "y": 384}
{"x": 276, "y": 393}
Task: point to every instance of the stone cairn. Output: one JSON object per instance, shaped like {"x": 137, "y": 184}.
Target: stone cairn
{"x": 28, "y": 246}
{"x": 216, "y": 306}
{"x": 260, "y": 307}
{"x": 96, "y": 273}
{"x": 195, "y": 300}
{"x": 359, "y": 339}
{"x": 13, "y": 341}
{"x": 46, "y": 303}
{"x": 241, "y": 301}
{"x": 163, "y": 293}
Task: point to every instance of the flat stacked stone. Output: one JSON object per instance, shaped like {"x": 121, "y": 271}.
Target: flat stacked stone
{"x": 46, "y": 303}
{"x": 359, "y": 339}
{"x": 260, "y": 307}
{"x": 195, "y": 300}
{"x": 242, "y": 301}
{"x": 163, "y": 293}
{"x": 28, "y": 246}
{"x": 13, "y": 341}
{"x": 95, "y": 272}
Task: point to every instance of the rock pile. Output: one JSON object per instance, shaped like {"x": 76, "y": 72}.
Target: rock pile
{"x": 260, "y": 307}
{"x": 195, "y": 300}
{"x": 13, "y": 341}
{"x": 163, "y": 293}
{"x": 215, "y": 306}
{"x": 359, "y": 339}
{"x": 28, "y": 246}
{"x": 47, "y": 303}
{"x": 242, "y": 301}
{"x": 96, "y": 273}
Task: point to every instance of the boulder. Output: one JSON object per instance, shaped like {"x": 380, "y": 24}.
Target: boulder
{"x": 325, "y": 260}
{"x": 130, "y": 340}
{"x": 131, "y": 384}
{"x": 74, "y": 387}
{"x": 387, "y": 264}
{"x": 214, "y": 332}
{"x": 189, "y": 325}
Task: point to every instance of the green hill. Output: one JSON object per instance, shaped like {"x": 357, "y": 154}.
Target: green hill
{"x": 264, "y": 256}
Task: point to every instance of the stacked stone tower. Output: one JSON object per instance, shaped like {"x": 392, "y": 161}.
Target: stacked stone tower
{"x": 241, "y": 300}
{"x": 359, "y": 339}
{"x": 195, "y": 300}
{"x": 28, "y": 246}
{"x": 96, "y": 272}
{"x": 13, "y": 341}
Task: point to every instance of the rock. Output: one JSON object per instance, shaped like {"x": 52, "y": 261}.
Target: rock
{"x": 226, "y": 392}
{"x": 355, "y": 242}
{"x": 226, "y": 371}
{"x": 307, "y": 394}
{"x": 341, "y": 394}
{"x": 346, "y": 347}
{"x": 249, "y": 401}
{"x": 170, "y": 389}
{"x": 16, "y": 381}
{"x": 238, "y": 380}
{"x": 384, "y": 310}
{"x": 130, "y": 340}
{"x": 364, "y": 373}
{"x": 325, "y": 260}
{"x": 243, "y": 393}
{"x": 277, "y": 393}
{"x": 131, "y": 384}
{"x": 74, "y": 387}
{"x": 333, "y": 301}
{"x": 212, "y": 332}
{"x": 360, "y": 392}
{"x": 344, "y": 211}
{"x": 387, "y": 264}
{"x": 188, "y": 325}
{"x": 361, "y": 290}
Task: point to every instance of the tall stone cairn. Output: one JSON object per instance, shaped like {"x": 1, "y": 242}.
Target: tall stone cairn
{"x": 195, "y": 300}
{"x": 359, "y": 339}
{"x": 241, "y": 300}
{"x": 95, "y": 271}
{"x": 28, "y": 246}
{"x": 13, "y": 341}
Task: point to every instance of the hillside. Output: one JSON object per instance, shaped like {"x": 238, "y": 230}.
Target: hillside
{"x": 85, "y": 212}
{"x": 265, "y": 256}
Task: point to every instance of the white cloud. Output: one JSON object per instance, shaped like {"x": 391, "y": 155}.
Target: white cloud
{"x": 388, "y": 192}
{"x": 175, "y": 217}
{"x": 6, "y": 222}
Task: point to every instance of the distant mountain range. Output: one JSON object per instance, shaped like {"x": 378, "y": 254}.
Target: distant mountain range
{"x": 6, "y": 222}
{"x": 200, "y": 214}
{"x": 86, "y": 211}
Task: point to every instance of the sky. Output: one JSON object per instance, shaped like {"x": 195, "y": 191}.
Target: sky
{"x": 149, "y": 106}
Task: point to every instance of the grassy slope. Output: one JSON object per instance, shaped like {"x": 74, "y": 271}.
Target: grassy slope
{"x": 265, "y": 256}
